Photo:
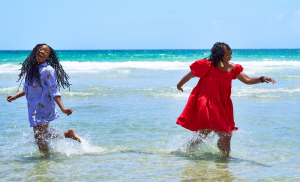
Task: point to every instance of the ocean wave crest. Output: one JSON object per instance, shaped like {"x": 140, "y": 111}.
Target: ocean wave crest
{"x": 9, "y": 90}
{"x": 259, "y": 92}
{"x": 126, "y": 67}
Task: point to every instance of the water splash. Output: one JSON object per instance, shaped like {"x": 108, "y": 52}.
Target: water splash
{"x": 194, "y": 145}
{"x": 26, "y": 146}
{"x": 59, "y": 144}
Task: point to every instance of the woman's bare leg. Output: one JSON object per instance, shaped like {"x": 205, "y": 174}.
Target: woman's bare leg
{"x": 67, "y": 134}
{"x": 202, "y": 134}
{"x": 40, "y": 135}
{"x": 71, "y": 134}
{"x": 224, "y": 142}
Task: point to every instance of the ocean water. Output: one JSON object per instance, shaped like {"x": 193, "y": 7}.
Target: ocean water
{"x": 125, "y": 105}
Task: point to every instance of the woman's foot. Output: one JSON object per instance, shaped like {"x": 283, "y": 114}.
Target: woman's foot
{"x": 71, "y": 134}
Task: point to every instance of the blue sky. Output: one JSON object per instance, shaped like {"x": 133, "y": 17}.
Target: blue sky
{"x": 149, "y": 24}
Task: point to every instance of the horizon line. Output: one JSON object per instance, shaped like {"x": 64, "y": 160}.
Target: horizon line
{"x": 148, "y": 49}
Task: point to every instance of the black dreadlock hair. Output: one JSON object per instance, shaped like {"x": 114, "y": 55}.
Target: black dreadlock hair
{"x": 217, "y": 52}
{"x": 31, "y": 68}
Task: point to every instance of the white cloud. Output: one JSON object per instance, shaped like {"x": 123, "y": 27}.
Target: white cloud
{"x": 279, "y": 16}
{"x": 298, "y": 13}
{"x": 296, "y": 22}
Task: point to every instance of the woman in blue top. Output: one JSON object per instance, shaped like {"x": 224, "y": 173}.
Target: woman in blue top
{"x": 43, "y": 76}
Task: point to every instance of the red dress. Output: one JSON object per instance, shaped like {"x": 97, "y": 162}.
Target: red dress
{"x": 209, "y": 105}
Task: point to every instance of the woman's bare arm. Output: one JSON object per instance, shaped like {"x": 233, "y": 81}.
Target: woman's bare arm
{"x": 185, "y": 79}
{"x": 58, "y": 101}
{"x": 254, "y": 80}
{"x": 14, "y": 97}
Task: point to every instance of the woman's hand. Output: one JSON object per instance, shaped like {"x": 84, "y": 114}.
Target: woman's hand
{"x": 67, "y": 111}
{"x": 179, "y": 88}
{"x": 11, "y": 98}
{"x": 14, "y": 97}
{"x": 58, "y": 101}
{"x": 266, "y": 79}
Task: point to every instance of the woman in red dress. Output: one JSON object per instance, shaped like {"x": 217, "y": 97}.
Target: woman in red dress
{"x": 209, "y": 107}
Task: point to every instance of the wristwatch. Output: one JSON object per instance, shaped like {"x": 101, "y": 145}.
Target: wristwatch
{"x": 261, "y": 79}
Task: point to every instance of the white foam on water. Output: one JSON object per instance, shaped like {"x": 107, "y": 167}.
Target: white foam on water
{"x": 9, "y": 90}
{"x": 70, "y": 147}
{"x": 103, "y": 76}
{"x": 59, "y": 145}
{"x": 293, "y": 77}
{"x": 76, "y": 94}
{"x": 173, "y": 92}
{"x": 169, "y": 92}
{"x": 241, "y": 91}
{"x": 167, "y": 89}
{"x": 263, "y": 92}
{"x": 122, "y": 67}
{"x": 269, "y": 67}
{"x": 15, "y": 77}
{"x": 176, "y": 65}
{"x": 9, "y": 68}
{"x": 124, "y": 71}
{"x": 167, "y": 95}
{"x": 125, "y": 67}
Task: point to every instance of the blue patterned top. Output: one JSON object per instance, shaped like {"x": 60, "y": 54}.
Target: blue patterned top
{"x": 40, "y": 102}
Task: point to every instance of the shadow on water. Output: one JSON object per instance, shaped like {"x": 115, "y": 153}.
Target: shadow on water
{"x": 195, "y": 147}
{"x": 209, "y": 172}
{"x": 209, "y": 165}
{"x": 237, "y": 160}
{"x": 200, "y": 153}
{"x": 212, "y": 166}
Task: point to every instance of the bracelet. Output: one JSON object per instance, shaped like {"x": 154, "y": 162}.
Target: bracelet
{"x": 261, "y": 79}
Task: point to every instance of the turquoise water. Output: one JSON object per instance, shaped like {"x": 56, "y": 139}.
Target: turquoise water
{"x": 125, "y": 105}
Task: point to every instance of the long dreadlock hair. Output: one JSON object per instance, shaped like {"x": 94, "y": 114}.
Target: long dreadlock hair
{"x": 31, "y": 68}
{"x": 217, "y": 52}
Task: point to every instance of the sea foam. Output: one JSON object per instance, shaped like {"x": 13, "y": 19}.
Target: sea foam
{"x": 250, "y": 67}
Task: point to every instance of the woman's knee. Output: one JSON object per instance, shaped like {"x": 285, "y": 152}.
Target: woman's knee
{"x": 225, "y": 137}
{"x": 39, "y": 137}
{"x": 40, "y": 133}
{"x": 224, "y": 134}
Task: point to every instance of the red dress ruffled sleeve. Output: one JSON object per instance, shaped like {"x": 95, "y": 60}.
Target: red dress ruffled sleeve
{"x": 237, "y": 70}
{"x": 200, "y": 67}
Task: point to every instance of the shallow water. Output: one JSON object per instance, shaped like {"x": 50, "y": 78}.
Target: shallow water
{"x": 125, "y": 105}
